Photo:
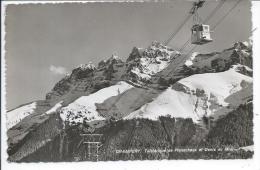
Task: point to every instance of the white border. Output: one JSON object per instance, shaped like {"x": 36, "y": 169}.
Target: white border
{"x": 165, "y": 164}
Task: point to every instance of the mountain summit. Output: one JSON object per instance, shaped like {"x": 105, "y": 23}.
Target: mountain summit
{"x": 158, "y": 97}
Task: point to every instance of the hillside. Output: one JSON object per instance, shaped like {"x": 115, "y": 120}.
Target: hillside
{"x": 157, "y": 98}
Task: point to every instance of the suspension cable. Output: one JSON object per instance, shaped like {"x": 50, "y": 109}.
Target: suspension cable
{"x": 180, "y": 26}
{"x": 208, "y": 18}
{"x": 230, "y": 10}
{"x": 220, "y": 4}
{"x": 219, "y": 21}
{"x": 177, "y": 30}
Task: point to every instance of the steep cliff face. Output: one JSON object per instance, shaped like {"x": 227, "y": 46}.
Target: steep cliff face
{"x": 142, "y": 64}
{"x": 158, "y": 98}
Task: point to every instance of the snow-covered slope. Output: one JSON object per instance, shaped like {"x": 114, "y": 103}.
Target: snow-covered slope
{"x": 84, "y": 108}
{"x": 55, "y": 108}
{"x": 220, "y": 84}
{"x": 161, "y": 82}
{"x": 170, "y": 102}
{"x": 195, "y": 96}
{"x": 16, "y": 115}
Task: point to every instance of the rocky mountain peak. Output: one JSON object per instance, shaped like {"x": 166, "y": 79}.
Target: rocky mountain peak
{"x": 196, "y": 88}
{"x": 144, "y": 63}
{"x": 157, "y": 60}
{"x": 155, "y": 45}
{"x": 114, "y": 59}
{"x": 89, "y": 66}
{"x": 239, "y": 53}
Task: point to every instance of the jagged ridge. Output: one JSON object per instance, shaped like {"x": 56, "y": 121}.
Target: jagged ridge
{"x": 149, "y": 71}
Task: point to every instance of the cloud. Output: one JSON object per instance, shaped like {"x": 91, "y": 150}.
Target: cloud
{"x": 58, "y": 70}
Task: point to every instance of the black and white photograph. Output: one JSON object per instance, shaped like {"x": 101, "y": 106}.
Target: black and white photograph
{"x": 128, "y": 81}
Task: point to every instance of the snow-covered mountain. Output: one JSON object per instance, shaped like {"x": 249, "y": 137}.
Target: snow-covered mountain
{"x": 144, "y": 63}
{"x": 195, "y": 96}
{"x": 153, "y": 85}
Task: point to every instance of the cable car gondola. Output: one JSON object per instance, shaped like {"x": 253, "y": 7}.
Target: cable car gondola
{"x": 200, "y": 33}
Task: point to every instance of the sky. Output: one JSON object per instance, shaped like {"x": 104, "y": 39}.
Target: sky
{"x": 46, "y": 41}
